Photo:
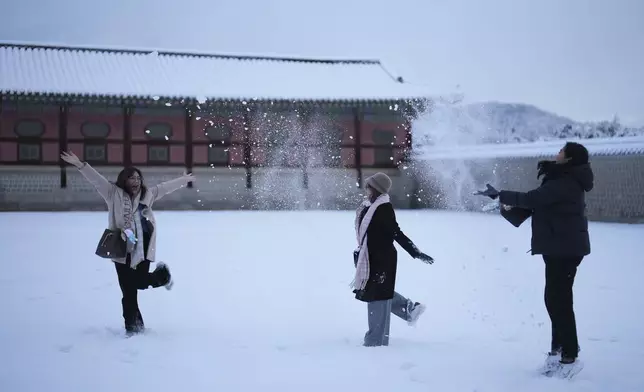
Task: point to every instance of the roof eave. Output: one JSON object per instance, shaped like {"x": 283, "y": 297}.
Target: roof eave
{"x": 191, "y": 100}
{"x": 188, "y": 53}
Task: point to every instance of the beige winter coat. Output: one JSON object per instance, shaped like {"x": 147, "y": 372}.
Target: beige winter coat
{"x": 115, "y": 196}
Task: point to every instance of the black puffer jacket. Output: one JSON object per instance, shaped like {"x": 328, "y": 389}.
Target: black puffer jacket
{"x": 383, "y": 258}
{"x": 559, "y": 223}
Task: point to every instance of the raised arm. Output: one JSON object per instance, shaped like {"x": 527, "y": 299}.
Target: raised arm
{"x": 102, "y": 185}
{"x": 167, "y": 187}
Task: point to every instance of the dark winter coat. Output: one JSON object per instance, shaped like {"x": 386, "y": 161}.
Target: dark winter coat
{"x": 383, "y": 258}
{"x": 559, "y": 222}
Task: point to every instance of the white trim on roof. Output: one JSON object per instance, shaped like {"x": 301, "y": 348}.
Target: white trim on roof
{"x": 633, "y": 145}
{"x": 108, "y": 72}
{"x": 187, "y": 52}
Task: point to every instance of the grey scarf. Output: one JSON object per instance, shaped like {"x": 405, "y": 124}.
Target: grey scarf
{"x": 133, "y": 222}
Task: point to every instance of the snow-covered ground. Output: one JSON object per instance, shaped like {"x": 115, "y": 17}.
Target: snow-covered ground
{"x": 262, "y": 303}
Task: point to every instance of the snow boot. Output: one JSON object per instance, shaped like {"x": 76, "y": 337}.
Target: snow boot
{"x": 163, "y": 276}
{"x": 414, "y": 311}
{"x": 137, "y": 328}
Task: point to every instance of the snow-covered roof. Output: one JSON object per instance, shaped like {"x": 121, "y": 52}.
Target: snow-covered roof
{"x": 605, "y": 146}
{"x": 118, "y": 72}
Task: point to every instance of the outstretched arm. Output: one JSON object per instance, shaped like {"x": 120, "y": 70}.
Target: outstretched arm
{"x": 102, "y": 185}
{"x": 549, "y": 193}
{"x": 405, "y": 242}
{"x": 167, "y": 187}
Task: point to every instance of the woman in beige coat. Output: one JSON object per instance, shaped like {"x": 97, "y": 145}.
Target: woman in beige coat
{"x": 129, "y": 204}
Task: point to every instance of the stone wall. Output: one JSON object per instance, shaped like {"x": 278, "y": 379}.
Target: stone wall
{"x": 618, "y": 194}
{"x": 32, "y": 188}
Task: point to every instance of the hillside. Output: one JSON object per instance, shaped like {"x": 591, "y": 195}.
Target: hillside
{"x": 497, "y": 122}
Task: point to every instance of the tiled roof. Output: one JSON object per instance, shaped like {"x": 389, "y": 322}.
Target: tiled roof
{"x": 138, "y": 73}
{"x": 633, "y": 145}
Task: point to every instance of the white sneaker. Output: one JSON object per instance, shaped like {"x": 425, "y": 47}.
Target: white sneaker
{"x": 417, "y": 310}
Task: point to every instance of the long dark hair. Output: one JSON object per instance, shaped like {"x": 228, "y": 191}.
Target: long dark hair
{"x": 121, "y": 180}
{"x": 576, "y": 155}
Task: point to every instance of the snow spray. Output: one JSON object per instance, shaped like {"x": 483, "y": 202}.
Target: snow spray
{"x": 297, "y": 148}
{"x": 449, "y": 183}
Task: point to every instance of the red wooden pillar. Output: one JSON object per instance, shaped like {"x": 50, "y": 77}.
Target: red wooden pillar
{"x": 408, "y": 144}
{"x": 247, "y": 145}
{"x": 127, "y": 135}
{"x": 62, "y": 141}
{"x": 357, "y": 123}
{"x": 306, "y": 114}
{"x": 189, "y": 158}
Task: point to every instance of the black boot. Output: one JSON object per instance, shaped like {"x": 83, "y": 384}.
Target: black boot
{"x": 132, "y": 317}
{"x": 162, "y": 276}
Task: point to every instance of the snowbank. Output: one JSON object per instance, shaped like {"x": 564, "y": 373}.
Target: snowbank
{"x": 606, "y": 146}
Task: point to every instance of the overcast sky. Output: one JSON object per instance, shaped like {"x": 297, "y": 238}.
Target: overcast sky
{"x": 579, "y": 58}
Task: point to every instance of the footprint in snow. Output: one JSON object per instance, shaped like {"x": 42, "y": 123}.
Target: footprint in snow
{"x": 407, "y": 366}
{"x": 67, "y": 348}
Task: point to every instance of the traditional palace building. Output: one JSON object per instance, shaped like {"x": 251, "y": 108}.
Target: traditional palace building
{"x": 306, "y": 119}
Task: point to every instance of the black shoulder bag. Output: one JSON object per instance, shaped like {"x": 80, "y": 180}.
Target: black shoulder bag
{"x": 111, "y": 245}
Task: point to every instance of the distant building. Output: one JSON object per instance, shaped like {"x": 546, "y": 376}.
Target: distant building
{"x": 235, "y": 117}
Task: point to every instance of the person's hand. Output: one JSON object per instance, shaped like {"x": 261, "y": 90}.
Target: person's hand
{"x": 71, "y": 158}
{"x": 188, "y": 177}
{"x": 425, "y": 258}
{"x": 490, "y": 192}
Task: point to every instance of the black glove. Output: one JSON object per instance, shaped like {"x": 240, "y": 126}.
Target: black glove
{"x": 425, "y": 258}
{"x": 490, "y": 192}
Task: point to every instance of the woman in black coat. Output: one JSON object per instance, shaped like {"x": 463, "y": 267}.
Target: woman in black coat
{"x": 559, "y": 234}
{"x": 376, "y": 262}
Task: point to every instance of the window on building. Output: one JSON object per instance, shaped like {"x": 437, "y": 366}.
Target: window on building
{"x": 276, "y": 136}
{"x": 219, "y": 133}
{"x": 158, "y": 133}
{"x": 29, "y": 128}
{"x": 95, "y": 130}
{"x": 158, "y": 154}
{"x": 332, "y": 147}
{"x": 384, "y": 152}
{"x": 95, "y": 151}
{"x": 218, "y": 155}
{"x": 29, "y": 146}
{"x": 29, "y": 152}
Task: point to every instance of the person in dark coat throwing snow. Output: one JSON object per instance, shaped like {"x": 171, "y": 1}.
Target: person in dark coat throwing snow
{"x": 559, "y": 234}
{"x": 129, "y": 203}
{"x": 376, "y": 262}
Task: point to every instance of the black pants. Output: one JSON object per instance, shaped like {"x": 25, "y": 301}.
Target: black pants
{"x": 560, "y": 277}
{"x": 132, "y": 280}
